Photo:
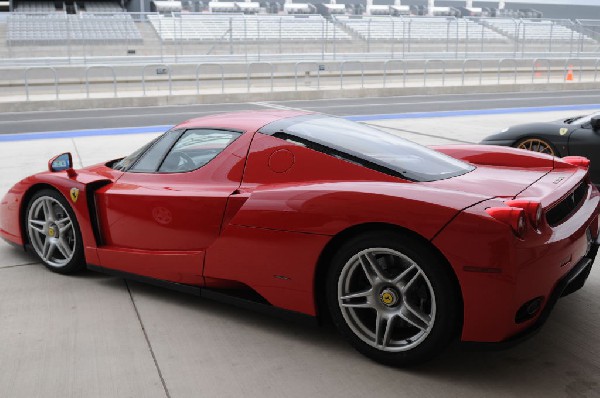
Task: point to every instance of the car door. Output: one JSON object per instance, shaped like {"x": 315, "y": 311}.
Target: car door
{"x": 158, "y": 219}
{"x": 586, "y": 142}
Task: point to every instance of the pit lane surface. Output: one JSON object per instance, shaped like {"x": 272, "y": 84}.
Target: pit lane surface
{"x": 97, "y": 336}
{"x": 169, "y": 115}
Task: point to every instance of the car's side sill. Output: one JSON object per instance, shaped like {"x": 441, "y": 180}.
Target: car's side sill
{"x": 211, "y": 294}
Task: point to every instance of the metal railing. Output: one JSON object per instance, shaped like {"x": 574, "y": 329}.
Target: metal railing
{"x": 37, "y": 83}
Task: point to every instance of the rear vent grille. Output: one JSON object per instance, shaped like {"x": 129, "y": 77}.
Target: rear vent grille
{"x": 567, "y": 206}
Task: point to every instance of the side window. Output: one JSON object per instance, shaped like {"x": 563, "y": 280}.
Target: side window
{"x": 196, "y": 148}
{"x": 151, "y": 159}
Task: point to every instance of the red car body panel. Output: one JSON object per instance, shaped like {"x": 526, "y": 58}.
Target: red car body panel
{"x": 260, "y": 214}
{"x": 149, "y": 224}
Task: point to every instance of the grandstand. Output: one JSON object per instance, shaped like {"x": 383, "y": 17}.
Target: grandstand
{"x": 102, "y": 6}
{"x": 418, "y": 28}
{"x": 58, "y": 27}
{"x": 104, "y": 28}
{"x": 212, "y": 27}
{"x": 45, "y": 6}
{"x": 532, "y": 29}
{"x": 36, "y": 6}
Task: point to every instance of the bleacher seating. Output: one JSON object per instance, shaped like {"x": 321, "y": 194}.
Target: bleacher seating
{"x": 102, "y": 6}
{"x": 244, "y": 27}
{"x": 532, "y": 30}
{"x": 58, "y": 28}
{"x": 35, "y": 6}
{"x": 418, "y": 28}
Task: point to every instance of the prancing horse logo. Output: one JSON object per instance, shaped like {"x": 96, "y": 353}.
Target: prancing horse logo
{"x": 74, "y": 194}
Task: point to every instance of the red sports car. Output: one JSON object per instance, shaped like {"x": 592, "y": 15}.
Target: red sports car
{"x": 404, "y": 247}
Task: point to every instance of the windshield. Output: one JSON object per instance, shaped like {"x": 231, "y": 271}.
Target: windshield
{"x": 126, "y": 162}
{"x": 368, "y": 146}
{"x": 144, "y": 156}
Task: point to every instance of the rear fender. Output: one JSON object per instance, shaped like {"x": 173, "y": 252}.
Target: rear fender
{"x": 280, "y": 232}
{"x": 328, "y": 208}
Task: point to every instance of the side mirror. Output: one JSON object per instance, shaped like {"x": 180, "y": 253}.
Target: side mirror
{"x": 62, "y": 162}
{"x": 595, "y": 123}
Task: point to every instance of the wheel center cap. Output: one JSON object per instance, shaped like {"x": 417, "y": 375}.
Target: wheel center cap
{"x": 389, "y": 297}
{"x": 53, "y": 231}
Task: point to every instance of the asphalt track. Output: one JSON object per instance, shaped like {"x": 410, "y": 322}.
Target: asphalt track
{"x": 368, "y": 108}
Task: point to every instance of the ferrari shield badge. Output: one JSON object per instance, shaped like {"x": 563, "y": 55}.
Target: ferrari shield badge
{"x": 563, "y": 131}
{"x": 74, "y": 194}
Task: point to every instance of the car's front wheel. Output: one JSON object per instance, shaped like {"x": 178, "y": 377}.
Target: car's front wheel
{"x": 392, "y": 298}
{"x": 53, "y": 232}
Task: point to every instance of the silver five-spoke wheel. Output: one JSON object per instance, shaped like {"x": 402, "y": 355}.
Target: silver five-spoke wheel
{"x": 386, "y": 299}
{"x": 393, "y": 297}
{"x": 51, "y": 231}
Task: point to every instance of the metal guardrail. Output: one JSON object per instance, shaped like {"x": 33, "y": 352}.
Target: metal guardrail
{"x": 385, "y": 71}
{"x": 426, "y": 74}
{"x": 221, "y": 69}
{"x": 362, "y": 73}
{"x": 87, "y": 78}
{"x": 514, "y": 62}
{"x": 168, "y": 70}
{"x": 535, "y": 70}
{"x": 479, "y": 62}
{"x": 26, "y": 78}
{"x": 306, "y": 73}
{"x": 249, "y": 73}
{"x": 380, "y": 75}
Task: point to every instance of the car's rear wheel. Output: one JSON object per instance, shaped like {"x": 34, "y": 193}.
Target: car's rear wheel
{"x": 53, "y": 232}
{"x": 392, "y": 298}
{"x": 537, "y": 145}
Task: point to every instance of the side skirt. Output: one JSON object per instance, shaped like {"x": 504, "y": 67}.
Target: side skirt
{"x": 212, "y": 294}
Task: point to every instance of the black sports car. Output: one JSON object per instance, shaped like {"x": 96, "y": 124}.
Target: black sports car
{"x": 579, "y": 136}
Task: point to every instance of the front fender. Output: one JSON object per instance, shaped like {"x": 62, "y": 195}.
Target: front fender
{"x": 556, "y": 133}
{"x": 14, "y": 203}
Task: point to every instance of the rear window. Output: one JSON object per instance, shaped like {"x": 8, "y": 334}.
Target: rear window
{"x": 368, "y": 146}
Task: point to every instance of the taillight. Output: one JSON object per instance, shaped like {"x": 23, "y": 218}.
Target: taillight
{"x": 578, "y": 161}
{"x": 533, "y": 210}
{"x": 513, "y": 216}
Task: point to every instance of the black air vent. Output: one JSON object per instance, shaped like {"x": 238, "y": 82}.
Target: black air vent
{"x": 567, "y": 206}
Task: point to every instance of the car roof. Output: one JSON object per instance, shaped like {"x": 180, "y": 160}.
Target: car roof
{"x": 241, "y": 121}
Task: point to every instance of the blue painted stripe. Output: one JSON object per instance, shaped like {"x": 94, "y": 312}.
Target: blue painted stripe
{"x": 82, "y": 133}
{"x": 357, "y": 118}
{"x": 473, "y": 112}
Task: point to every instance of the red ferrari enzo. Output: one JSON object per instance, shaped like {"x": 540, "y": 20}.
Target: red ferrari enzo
{"x": 404, "y": 247}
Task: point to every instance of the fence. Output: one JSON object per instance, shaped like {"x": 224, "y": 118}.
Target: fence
{"x": 44, "y": 82}
{"x": 183, "y": 38}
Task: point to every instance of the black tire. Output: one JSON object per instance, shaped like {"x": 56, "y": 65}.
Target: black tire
{"x": 435, "y": 287}
{"x": 60, "y": 234}
{"x": 537, "y": 144}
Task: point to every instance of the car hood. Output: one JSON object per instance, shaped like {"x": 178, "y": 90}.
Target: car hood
{"x": 516, "y": 132}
